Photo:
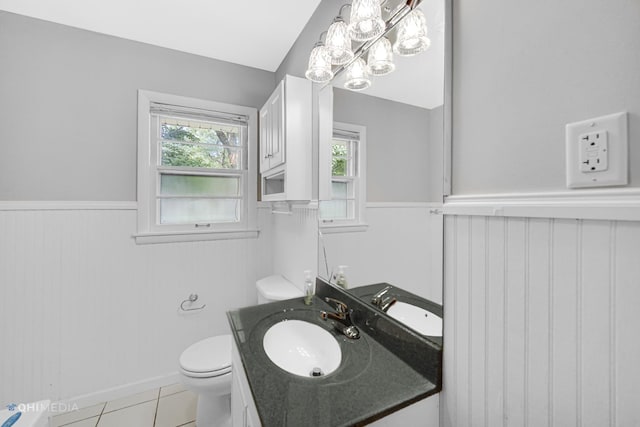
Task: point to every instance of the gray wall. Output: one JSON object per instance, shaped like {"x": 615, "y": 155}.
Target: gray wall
{"x": 68, "y": 105}
{"x": 398, "y": 146}
{"x": 436, "y": 147}
{"x": 522, "y": 70}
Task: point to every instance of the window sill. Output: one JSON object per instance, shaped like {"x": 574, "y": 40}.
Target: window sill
{"x": 175, "y": 237}
{"x": 343, "y": 228}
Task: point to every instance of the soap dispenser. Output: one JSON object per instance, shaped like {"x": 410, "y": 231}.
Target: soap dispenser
{"x": 309, "y": 288}
{"x": 341, "y": 278}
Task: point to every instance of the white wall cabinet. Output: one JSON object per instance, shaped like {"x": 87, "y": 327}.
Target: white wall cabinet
{"x": 272, "y": 130}
{"x": 243, "y": 408}
{"x": 286, "y": 141}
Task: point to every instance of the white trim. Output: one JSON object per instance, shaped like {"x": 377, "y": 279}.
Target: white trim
{"x": 397, "y": 205}
{"x": 67, "y": 206}
{"x": 618, "y": 204}
{"x": 148, "y": 230}
{"x": 359, "y": 181}
{"x": 350, "y": 228}
{"x": 90, "y": 399}
{"x": 193, "y": 236}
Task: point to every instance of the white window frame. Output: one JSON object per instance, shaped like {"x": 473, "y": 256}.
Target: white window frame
{"x": 149, "y": 229}
{"x": 357, "y": 223}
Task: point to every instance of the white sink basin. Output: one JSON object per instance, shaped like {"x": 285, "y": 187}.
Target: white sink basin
{"x": 301, "y": 348}
{"x": 418, "y": 319}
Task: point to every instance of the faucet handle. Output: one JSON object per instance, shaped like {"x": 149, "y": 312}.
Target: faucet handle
{"x": 377, "y": 298}
{"x": 340, "y": 306}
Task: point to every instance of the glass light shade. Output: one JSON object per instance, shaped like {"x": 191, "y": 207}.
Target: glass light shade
{"x": 380, "y": 60}
{"x": 366, "y": 22}
{"x": 319, "y": 69}
{"x": 412, "y": 35}
{"x": 338, "y": 43}
{"x": 357, "y": 76}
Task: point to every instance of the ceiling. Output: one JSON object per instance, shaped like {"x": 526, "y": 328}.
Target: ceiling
{"x": 255, "y": 33}
{"x": 223, "y": 30}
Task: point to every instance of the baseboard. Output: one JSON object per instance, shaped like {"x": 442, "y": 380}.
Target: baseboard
{"x": 121, "y": 391}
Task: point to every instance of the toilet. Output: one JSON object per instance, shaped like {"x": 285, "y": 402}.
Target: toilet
{"x": 205, "y": 367}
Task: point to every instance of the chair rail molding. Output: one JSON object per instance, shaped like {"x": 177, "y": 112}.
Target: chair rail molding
{"x": 67, "y": 205}
{"x": 614, "y": 204}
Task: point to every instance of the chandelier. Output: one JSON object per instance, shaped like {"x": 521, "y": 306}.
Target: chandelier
{"x": 372, "y": 37}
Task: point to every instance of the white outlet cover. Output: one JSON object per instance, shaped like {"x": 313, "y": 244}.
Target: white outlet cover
{"x": 616, "y": 154}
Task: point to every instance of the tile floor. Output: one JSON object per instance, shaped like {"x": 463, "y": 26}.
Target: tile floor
{"x": 170, "y": 406}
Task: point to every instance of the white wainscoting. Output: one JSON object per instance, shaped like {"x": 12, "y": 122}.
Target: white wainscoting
{"x": 84, "y": 309}
{"x": 542, "y": 320}
{"x": 294, "y": 242}
{"x": 402, "y": 245}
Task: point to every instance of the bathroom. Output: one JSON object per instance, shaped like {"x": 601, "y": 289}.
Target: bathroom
{"x": 539, "y": 282}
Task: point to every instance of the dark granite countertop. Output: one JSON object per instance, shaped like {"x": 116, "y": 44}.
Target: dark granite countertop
{"x": 387, "y": 369}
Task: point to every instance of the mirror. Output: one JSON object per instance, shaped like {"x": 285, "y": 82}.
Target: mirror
{"x": 381, "y": 183}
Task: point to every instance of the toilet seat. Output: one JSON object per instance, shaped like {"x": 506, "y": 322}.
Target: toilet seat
{"x": 210, "y": 357}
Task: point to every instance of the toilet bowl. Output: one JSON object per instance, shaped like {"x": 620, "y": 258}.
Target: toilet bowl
{"x": 205, "y": 367}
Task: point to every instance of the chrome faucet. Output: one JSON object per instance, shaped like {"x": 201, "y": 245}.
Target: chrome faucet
{"x": 381, "y": 302}
{"x": 342, "y": 317}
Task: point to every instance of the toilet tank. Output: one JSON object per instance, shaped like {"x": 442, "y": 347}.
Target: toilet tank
{"x": 276, "y": 288}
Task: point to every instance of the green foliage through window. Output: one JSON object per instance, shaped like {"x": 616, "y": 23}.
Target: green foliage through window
{"x": 339, "y": 160}
{"x": 216, "y": 148}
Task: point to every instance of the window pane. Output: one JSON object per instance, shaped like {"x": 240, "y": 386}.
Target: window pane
{"x": 190, "y": 211}
{"x": 202, "y": 132}
{"x": 199, "y": 156}
{"x": 193, "y": 185}
{"x": 339, "y": 189}
{"x": 339, "y": 159}
{"x": 344, "y": 158}
{"x": 337, "y": 209}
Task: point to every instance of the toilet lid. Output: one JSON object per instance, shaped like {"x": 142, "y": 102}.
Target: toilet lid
{"x": 209, "y": 355}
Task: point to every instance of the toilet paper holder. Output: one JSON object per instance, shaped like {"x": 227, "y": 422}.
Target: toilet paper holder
{"x": 192, "y": 298}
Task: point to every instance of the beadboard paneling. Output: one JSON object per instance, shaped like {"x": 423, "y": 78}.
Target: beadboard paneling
{"x": 294, "y": 243}
{"x": 540, "y": 327}
{"x": 85, "y": 309}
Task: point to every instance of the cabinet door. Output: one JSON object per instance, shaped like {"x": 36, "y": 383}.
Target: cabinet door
{"x": 238, "y": 406}
{"x": 277, "y": 140}
{"x": 243, "y": 409}
{"x": 265, "y": 137}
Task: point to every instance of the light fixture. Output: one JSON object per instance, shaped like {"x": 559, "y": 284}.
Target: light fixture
{"x": 338, "y": 42}
{"x": 366, "y": 21}
{"x": 380, "y": 60}
{"x": 370, "y": 33}
{"x": 357, "y": 76}
{"x": 412, "y": 35}
{"x": 319, "y": 69}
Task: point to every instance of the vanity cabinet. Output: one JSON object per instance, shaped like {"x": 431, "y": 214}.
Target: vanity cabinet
{"x": 286, "y": 142}
{"x": 243, "y": 408}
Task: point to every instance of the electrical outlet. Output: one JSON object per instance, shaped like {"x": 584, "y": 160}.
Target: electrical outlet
{"x": 597, "y": 152}
{"x": 594, "y": 156}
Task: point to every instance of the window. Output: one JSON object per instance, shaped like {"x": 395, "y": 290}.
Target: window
{"x": 195, "y": 180}
{"x": 346, "y": 207}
